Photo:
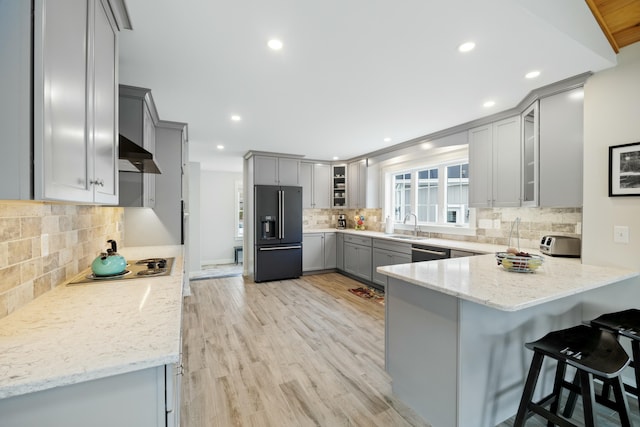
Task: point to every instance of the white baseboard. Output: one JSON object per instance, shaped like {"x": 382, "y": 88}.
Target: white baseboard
{"x": 217, "y": 261}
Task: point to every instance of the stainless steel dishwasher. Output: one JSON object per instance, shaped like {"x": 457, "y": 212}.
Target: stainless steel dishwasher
{"x": 428, "y": 253}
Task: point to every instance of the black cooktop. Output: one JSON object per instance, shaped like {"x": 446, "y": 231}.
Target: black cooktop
{"x": 136, "y": 269}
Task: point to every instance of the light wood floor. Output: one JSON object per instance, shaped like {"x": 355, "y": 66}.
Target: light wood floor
{"x": 300, "y": 352}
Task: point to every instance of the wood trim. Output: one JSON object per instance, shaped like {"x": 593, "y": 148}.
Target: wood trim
{"x": 603, "y": 25}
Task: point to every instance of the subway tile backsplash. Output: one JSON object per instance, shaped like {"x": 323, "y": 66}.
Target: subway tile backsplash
{"x": 493, "y": 225}
{"x": 42, "y": 245}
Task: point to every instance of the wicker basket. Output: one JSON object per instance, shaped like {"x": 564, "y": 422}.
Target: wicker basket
{"x": 519, "y": 264}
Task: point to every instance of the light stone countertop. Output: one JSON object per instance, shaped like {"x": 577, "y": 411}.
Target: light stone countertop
{"x": 83, "y": 332}
{"x": 479, "y": 279}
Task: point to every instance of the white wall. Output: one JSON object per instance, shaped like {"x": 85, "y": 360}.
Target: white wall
{"x": 217, "y": 216}
{"x": 194, "y": 217}
{"x": 611, "y": 117}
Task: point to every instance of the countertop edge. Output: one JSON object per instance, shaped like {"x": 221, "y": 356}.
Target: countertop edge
{"x": 620, "y": 275}
{"x": 464, "y": 245}
{"x": 75, "y": 368}
{"x": 80, "y": 377}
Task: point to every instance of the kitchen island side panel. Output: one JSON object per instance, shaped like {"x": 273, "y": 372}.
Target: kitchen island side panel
{"x": 493, "y": 362}
{"x": 459, "y": 363}
{"x": 421, "y": 330}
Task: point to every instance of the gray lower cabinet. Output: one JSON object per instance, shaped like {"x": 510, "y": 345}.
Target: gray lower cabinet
{"x": 357, "y": 256}
{"x": 340, "y": 251}
{"x": 318, "y": 251}
{"x": 312, "y": 251}
{"x": 388, "y": 253}
{"x": 144, "y": 398}
{"x": 330, "y": 250}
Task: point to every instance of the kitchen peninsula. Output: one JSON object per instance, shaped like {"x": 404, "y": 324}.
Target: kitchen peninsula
{"x": 455, "y": 329}
{"x": 102, "y": 354}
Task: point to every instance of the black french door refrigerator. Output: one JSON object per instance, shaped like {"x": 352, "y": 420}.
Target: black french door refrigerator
{"x": 278, "y": 228}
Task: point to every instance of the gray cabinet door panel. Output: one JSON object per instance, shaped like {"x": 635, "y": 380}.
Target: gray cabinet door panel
{"x": 105, "y": 108}
{"x": 561, "y": 150}
{"x": 60, "y": 102}
{"x": 330, "y": 250}
{"x": 321, "y": 186}
{"x": 340, "y": 251}
{"x": 306, "y": 182}
{"x": 480, "y": 165}
{"x": 288, "y": 171}
{"x": 312, "y": 252}
{"x": 15, "y": 104}
{"x": 265, "y": 170}
{"x": 132, "y": 399}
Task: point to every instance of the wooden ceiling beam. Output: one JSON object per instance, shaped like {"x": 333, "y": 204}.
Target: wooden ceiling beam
{"x": 603, "y": 25}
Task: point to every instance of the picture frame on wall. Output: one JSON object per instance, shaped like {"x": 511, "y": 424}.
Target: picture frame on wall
{"x": 624, "y": 170}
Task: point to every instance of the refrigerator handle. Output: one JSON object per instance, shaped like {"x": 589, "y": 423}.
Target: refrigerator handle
{"x": 279, "y": 214}
{"x": 282, "y": 215}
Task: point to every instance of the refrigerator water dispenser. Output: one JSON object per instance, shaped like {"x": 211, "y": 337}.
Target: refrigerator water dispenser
{"x": 268, "y": 226}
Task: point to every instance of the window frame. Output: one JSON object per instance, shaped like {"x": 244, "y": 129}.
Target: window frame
{"x": 440, "y": 162}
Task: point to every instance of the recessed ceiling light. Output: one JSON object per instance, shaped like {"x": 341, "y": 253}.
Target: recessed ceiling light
{"x": 275, "y": 44}
{"x": 489, "y": 104}
{"x": 532, "y": 74}
{"x": 335, "y": 157}
{"x": 466, "y": 47}
{"x": 387, "y": 139}
{"x": 236, "y": 118}
{"x": 220, "y": 147}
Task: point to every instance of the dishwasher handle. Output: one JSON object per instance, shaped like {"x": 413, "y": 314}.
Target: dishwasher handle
{"x": 428, "y": 251}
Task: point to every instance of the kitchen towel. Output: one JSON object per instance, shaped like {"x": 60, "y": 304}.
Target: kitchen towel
{"x": 388, "y": 226}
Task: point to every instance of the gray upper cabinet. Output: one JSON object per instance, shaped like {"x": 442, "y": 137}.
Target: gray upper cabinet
{"x": 72, "y": 91}
{"x": 530, "y": 155}
{"x": 270, "y": 170}
{"x": 138, "y": 120}
{"x": 315, "y": 179}
{"x": 357, "y": 185}
{"x": 15, "y": 102}
{"x": 494, "y": 164}
{"x": 561, "y": 149}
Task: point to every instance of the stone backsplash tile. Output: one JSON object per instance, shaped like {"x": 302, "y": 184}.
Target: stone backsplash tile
{"x": 43, "y": 245}
{"x": 493, "y": 225}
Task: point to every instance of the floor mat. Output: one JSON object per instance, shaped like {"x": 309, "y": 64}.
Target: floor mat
{"x": 369, "y": 293}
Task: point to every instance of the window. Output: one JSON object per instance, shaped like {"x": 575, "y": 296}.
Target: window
{"x": 458, "y": 194}
{"x": 239, "y": 211}
{"x": 402, "y": 195}
{"x": 438, "y": 195}
{"x": 427, "y": 204}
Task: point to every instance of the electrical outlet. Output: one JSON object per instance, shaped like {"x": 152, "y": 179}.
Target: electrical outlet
{"x": 620, "y": 234}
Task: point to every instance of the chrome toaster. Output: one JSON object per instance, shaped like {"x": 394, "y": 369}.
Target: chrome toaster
{"x": 562, "y": 246}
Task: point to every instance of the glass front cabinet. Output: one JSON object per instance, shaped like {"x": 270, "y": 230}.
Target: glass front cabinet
{"x": 530, "y": 158}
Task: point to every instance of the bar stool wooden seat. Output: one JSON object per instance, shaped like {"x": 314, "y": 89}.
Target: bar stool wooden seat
{"x": 626, "y": 324}
{"x": 595, "y": 353}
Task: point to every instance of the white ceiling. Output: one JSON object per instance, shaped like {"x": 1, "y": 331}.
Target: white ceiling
{"x": 351, "y": 73}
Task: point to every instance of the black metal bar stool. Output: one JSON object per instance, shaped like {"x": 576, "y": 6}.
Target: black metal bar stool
{"x": 627, "y": 324}
{"x": 594, "y": 353}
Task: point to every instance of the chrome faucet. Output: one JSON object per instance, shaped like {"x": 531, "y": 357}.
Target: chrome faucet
{"x": 415, "y": 222}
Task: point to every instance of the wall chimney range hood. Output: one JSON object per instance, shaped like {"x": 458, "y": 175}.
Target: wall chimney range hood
{"x": 134, "y": 158}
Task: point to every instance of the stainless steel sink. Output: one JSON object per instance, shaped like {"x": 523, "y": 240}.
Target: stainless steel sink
{"x": 405, "y": 237}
